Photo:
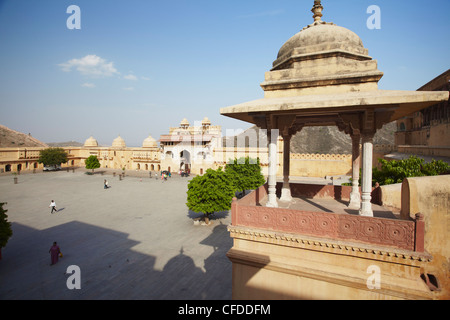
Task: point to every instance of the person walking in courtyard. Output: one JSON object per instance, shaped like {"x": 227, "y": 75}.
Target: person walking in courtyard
{"x": 54, "y": 253}
{"x": 105, "y": 184}
{"x": 53, "y": 206}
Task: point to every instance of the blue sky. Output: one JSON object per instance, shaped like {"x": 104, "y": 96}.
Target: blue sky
{"x": 138, "y": 67}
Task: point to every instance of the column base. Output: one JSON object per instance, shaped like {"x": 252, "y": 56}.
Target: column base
{"x": 272, "y": 201}
{"x": 366, "y": 210}
{"x": 286, "y": 195}
{"x": 355, "y": 200}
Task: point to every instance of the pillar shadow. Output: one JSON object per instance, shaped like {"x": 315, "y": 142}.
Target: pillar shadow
{"x": 215, "y": 216}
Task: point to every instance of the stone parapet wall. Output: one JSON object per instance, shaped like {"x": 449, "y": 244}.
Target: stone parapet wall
{"x": 424, "y": 150}
{"x": 400, "y": 234}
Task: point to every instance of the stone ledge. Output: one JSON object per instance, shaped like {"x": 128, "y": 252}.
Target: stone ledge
{"x": 331, "y": 246}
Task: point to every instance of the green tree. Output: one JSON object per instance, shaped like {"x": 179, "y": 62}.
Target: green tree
{"x": 52, "y": 156}
{"x": 92, "y": 163}
{"x": 245, "y": 173}
{"x": 210, "y": 193}
{"x": 395, "y": 171}
{"x": 5, "y": 228}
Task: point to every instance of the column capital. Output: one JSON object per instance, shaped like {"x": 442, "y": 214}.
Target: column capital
{"x": 367, "y": 136}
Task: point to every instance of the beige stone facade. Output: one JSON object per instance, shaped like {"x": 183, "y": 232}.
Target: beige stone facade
{"x": 427, "y": 132}
{"x": 118, "y": 156}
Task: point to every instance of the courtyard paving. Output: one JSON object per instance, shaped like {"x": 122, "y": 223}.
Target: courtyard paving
{"x": 135, "y": 240}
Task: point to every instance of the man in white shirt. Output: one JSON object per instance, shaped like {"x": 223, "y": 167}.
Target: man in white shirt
{"x": 53, "y": 206}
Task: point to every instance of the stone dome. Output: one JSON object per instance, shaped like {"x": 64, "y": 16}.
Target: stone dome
{"x": 184, "y": 123}
{"x": 91, "y": 142}
{"x": 149, "y": 142}
{"x": 119, "y": 142}
{"x": 323, "y": 37}
{"x": 318, "y": 39}
{"x": 206, "y": 122}
{"x": 323, "y": 58}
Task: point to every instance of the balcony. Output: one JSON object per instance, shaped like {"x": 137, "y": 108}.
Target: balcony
{"x": 319, "y": 214}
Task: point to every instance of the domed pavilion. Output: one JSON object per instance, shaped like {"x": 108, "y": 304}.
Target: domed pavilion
{"x": 149, "y": 142}
{"x": 324, "y": 76}
{"x": 91, "y": 142}
{"x": 119, "y": 143}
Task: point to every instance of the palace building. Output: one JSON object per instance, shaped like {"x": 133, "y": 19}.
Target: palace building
{"x": 427, "y": 132}
{"x": 190, "y": 148}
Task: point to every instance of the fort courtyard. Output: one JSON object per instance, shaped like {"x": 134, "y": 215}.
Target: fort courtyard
{"x": 135, "y": 237}
{"x": 134, "y": 240}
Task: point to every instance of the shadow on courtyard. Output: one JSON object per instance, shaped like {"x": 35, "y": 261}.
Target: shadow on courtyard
{"x": 110, "y": 268}
{"x": 215, "y": 216}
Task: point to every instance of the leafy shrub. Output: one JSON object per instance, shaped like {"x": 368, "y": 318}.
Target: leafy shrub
{"x": 214, "y": 191}
{"x": 396, "y": 171}
{"x": 5, "y": 227}
{"x": 210, "y": 193}
{"x": 245, "y": 173}
{"x": 92, "y": 163}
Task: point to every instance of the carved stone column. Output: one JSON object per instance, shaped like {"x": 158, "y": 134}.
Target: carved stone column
{"x": 366, "y": 183}
{"x": 286, "y": 190}
{"x": 355, "y": 196}
{"x": 272, "y": 135}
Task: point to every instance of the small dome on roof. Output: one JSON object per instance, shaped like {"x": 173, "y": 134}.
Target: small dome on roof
{"x": 323, "y": 37}
{"x": 206, "y": 121}
{"x": 119, "y": 142}
{"x": 149, "y": 142}
{"x": 320, "y": 38}
{"x": 184, "y": 122}
{"x": 91, "y": 142}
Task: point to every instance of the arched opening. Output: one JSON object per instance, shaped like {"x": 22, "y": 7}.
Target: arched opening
{"x": 8, "y": 168}
{"x": 169, "y": 154}
{"x": 152, "y": 167}
{"x": 185, "y": 161}
{"x": 146, "y": 166}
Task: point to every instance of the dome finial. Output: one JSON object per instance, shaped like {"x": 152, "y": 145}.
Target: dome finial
{"x": 317, "y": 10}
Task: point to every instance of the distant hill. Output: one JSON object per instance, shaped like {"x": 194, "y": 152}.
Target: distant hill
{"x": 325, "y": 140}
{"x": 13, "y": 139}
{"x": 322, "y": 140}
{"x": 65, "y": 144}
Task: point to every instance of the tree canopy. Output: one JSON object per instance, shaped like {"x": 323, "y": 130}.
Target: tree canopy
{"x": 395, "y": 171}
{"x": 92, "y": 163}
{"x": 5, "y": 227}
{"x": 245, "y": 173}
{"x": 52, "y": 156}
{"x": 215, "y": 190}
{"x": 210, "y": 193}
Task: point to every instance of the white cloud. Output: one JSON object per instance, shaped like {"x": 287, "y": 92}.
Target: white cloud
{"x": 88, "y": 85}
{"x": 130, "y": 77}
{"x": 129, "y": 89}
{"x": 90, "y": 65}
{"x": 145, "y": 78}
